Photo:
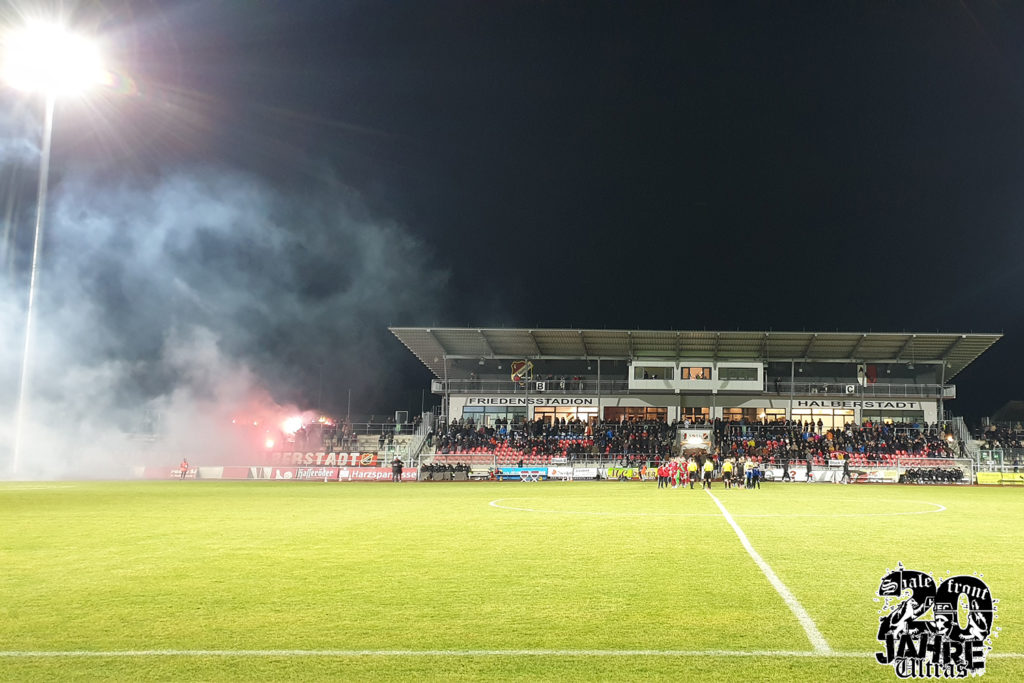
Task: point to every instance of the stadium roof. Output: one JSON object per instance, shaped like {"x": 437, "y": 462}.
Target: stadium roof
{"x": 433, "y": 344}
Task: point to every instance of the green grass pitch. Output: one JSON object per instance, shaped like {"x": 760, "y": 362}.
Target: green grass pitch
{"x": 583, "y": 581}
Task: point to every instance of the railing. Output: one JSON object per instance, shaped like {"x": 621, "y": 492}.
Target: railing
{"x": 419, "y": 437}
{"x": 963, "y": 437}
{"x": 993, "y": 459}
{"x": 390, "y": 451}
{"x": 538, "y": 386}
{"x": 851, "y": 390}
{"x": 363, "y": 428}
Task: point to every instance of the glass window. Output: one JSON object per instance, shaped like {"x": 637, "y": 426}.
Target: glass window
{"x": 743, "y": 374}
{"x": 652, "y": 372}
{"x": 488, "y": 415}
{"x": 737, "y": 414}
{"x": 695, "y": 372}
{"x": 829, "y": 418}
{"x": 693, "y": 413}
{"x": 548, "y": 414}
{"x": 772, "y": 414}
{"x": 617, "y": 414}
{"x": 893, "y": 416}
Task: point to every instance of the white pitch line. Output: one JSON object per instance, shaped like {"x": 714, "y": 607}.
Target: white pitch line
{"x": 808, "y": 654}
{"x": 434, "y": 653}
{"x": 818, "y": 641}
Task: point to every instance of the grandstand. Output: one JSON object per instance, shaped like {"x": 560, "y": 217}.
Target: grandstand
{"x": 554, "y": 396}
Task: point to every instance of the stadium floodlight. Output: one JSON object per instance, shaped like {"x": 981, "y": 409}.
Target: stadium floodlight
{"x": 44, "y": 58}
{"x": 50, "y": 59}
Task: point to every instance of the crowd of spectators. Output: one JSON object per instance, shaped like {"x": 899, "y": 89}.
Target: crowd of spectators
{"x": 1002, "y": 436}
{"x": 641, "y": 441}
{"x": 638, "y": 440}
{"x": 802, "y": 440}
{"x": 548, "y": 438}
{"x": 634, "y": 440}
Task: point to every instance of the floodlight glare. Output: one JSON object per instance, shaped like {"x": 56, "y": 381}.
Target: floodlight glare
{"x": 48, "y": 58}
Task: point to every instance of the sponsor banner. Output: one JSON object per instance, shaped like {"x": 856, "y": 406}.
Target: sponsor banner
{"x": 861, "y": 476}
{"x": 695, "y": 438}
{"x": 532, "y": 473}
{"x": 1001, "y": 477}
{"x": 317, "y": 473}
{"x": 522, "y": 401}
{"x": 175, "y": 473}
{"x": 560, "y": 472}
{"x": 647, "y": 473}
{"x": 235, "y": 473}
{"x": 282, "y": 472}
{"x": 795, "y": 473}
{"x": 374, "y": 474}
{"x": 839, "y": 403}
{"x": 168, "y": 473}
{"x": 324, "y": 459}
{"x": 875, "y": 476}
{"x": 584, "y": 473}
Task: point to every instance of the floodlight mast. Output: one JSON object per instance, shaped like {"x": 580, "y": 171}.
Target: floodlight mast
{"x": 48, "y": 59}
{"x": 26, "y": 356}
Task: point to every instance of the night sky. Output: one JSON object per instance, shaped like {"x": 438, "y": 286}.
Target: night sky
{"x": 680, "y": 165}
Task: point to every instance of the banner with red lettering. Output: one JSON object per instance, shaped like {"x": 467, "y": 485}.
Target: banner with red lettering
{"x": 322, "y": 459}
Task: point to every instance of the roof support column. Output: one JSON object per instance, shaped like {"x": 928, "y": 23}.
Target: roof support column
{"x": 447, "y": 397}
{"x": 792, "y": 382}
{"x": 942, "y": 394}
{"x": 526, "y": 383}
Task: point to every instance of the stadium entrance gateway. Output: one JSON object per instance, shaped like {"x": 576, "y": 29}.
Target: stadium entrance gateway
{"x": 491, "y": 375}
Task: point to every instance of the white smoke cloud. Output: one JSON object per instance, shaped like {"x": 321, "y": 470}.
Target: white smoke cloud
{"x": 20, "y": 141}
{"x": 193, "y": 298}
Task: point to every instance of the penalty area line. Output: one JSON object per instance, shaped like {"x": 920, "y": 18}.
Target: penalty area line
{"x": 818, "y": 641}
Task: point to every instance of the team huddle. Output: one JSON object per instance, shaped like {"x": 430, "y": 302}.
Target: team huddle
{"x": 735, "y": 473}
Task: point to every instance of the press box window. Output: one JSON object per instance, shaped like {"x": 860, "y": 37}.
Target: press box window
{"x": 652, "y": 372}
{"x": 740, "y": 374}
{"x": 696, "y": 373}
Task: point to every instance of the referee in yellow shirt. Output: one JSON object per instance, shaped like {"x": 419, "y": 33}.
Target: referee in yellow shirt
{"x": 691, "y": 469}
